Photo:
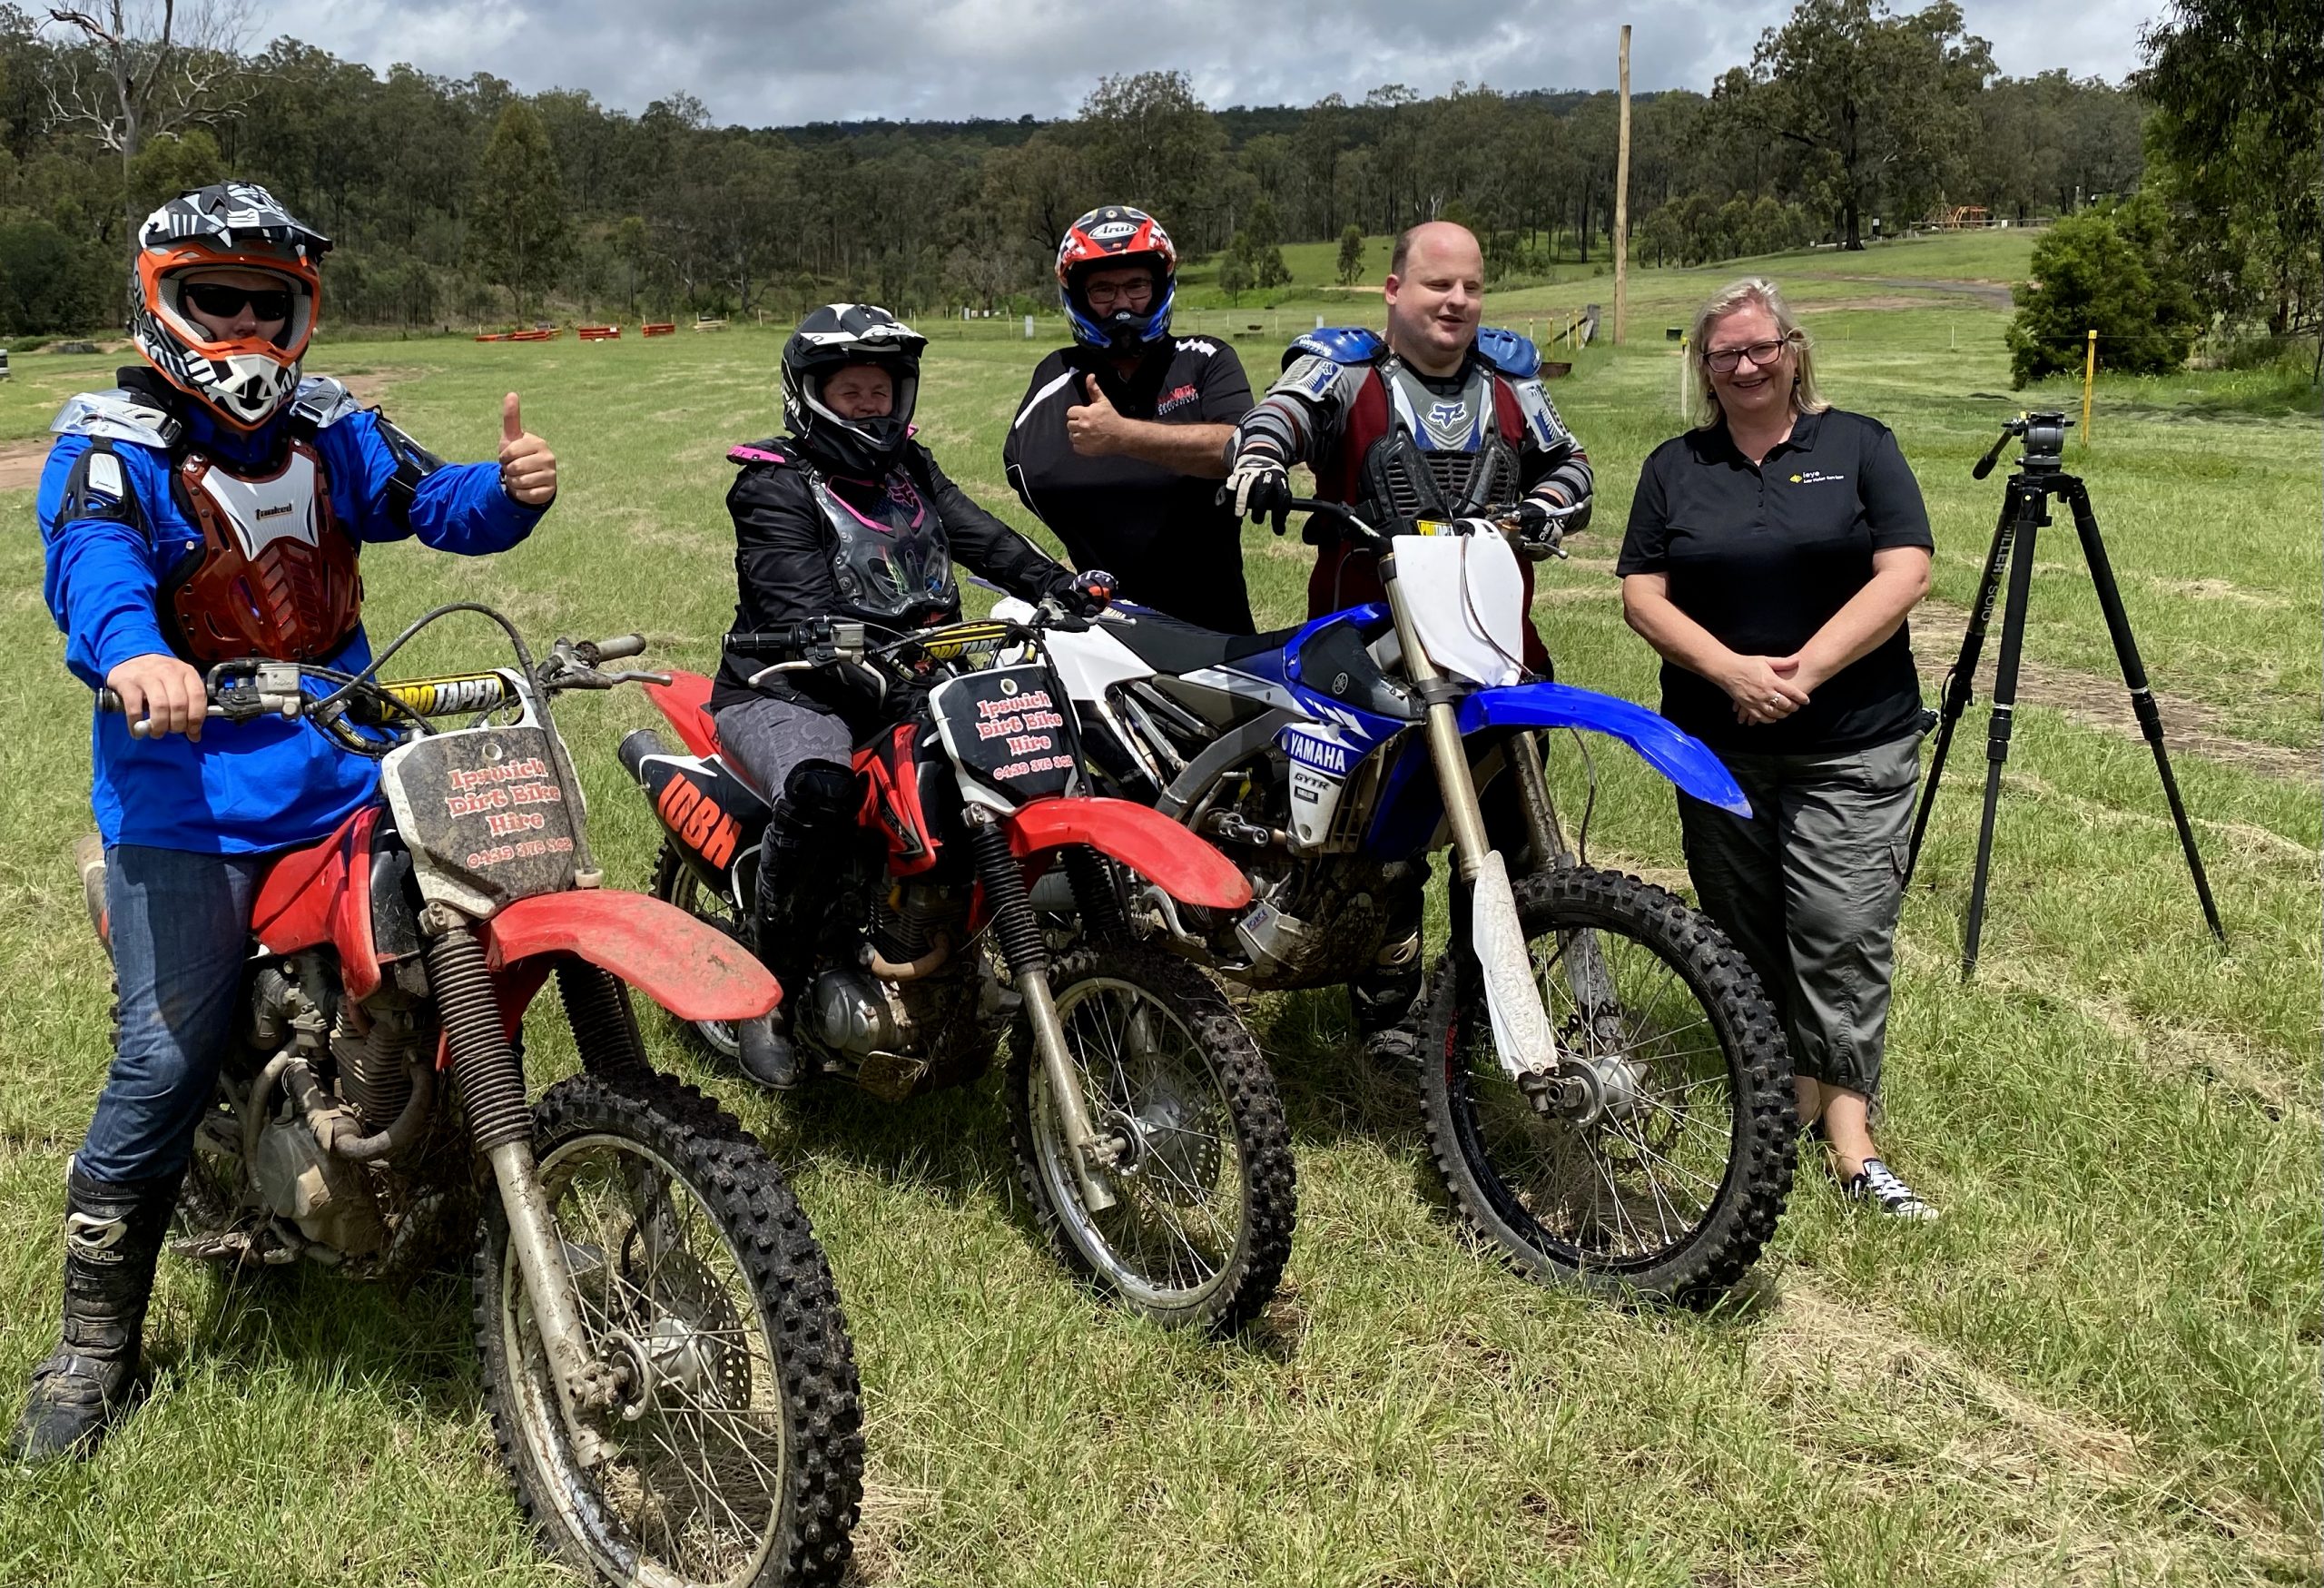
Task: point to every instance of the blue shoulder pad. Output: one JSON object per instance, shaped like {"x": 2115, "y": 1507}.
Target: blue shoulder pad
{"x": 1341, "y": 344}
{"x": 1514, "y": 355}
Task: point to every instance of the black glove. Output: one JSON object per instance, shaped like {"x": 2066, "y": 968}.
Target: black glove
{"x": 1258, "y": 487}
{"x": 1090, "y": 592}
{"x": 1542, "y": 524}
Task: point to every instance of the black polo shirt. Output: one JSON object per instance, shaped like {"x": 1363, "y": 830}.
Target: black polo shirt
{"x": 1160, "y": 533}
{"x": 1762, "y": 557}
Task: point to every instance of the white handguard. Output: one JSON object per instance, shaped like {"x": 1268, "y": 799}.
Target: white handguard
{"x": 1520, "y": 1029}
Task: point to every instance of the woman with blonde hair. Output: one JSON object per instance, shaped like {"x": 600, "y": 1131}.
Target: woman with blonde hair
{"x": 1772, "y": 555}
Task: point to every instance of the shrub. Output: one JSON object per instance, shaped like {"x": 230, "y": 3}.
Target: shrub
{"x": 49, "y": 282}
{"x": 2111, "y": 270}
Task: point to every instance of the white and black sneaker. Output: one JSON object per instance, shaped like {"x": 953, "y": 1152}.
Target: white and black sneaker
{"x": 1877, "y": 1185}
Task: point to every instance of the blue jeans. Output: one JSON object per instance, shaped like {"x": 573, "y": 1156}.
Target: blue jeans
{"x": 181, "y": 933}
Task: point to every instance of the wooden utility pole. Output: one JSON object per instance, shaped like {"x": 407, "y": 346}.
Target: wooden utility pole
{"x": 1623, "y": 204}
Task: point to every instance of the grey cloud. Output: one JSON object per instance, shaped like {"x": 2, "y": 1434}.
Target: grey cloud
{"x": 820, "y": 60}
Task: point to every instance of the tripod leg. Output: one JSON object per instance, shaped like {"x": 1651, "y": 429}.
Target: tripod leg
{"x": 1961, "y": 683}
{"x": 2032, "y": 511}
{"x": 2126, "y": 651}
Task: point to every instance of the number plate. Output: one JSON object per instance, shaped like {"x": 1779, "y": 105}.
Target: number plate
{"x": 484, "y": 816}
{"x": 1004, "y": 732}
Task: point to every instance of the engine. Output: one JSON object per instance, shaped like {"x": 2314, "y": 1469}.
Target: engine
{"x": 910, "y": 1015}
{"x": 358, "y": 1085}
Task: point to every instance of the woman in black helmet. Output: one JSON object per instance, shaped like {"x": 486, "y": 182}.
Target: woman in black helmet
{"x": 845, "y": 516}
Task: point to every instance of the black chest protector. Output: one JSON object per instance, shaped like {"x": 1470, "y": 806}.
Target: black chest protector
{"x": 891, "y": 558}
{"x": 1427, "y": 455}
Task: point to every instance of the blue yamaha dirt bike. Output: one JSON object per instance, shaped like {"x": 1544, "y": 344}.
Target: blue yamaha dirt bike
{"x": 1604, "y": 1085}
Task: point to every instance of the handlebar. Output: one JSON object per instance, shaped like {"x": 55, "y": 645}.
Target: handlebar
{"x": 245, "y": 691}
{"x": 1349, "y": 527}
{"x": 813, "y": 643}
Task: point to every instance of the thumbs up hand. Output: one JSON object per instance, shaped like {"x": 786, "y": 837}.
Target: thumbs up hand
{"x": 1096, "y": 430}
{"x": 527, "y": 467}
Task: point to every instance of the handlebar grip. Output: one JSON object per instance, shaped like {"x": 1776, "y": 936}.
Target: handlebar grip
{"x": 620, "y": 646}
{"x": 779, "y": 642}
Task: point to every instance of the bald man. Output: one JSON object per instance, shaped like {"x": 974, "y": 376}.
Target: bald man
{"x": 1438, "y": 419}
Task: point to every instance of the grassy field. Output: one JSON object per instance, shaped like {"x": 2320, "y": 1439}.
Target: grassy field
{"x": 2098, "y": 1368}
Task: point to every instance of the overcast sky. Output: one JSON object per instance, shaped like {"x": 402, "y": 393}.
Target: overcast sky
{"x": 791, "y": 60}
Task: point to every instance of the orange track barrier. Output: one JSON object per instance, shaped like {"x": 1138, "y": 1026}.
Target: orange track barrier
{"x": 598, "y": 334}
{"x": 658, "y": 327}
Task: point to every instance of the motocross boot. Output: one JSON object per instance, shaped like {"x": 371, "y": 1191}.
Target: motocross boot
{"x": 798, "y": 863}
{"x": 113, "y": 1239}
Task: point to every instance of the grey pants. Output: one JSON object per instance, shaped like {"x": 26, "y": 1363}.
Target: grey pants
{"x": 766, "y": 739}
{"x": 1808, "y": 888}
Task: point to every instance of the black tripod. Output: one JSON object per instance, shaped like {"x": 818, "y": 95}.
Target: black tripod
{"x": 2025, "y": 507}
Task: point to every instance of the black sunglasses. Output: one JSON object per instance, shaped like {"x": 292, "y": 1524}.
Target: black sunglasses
{"x": 221, "y": 301}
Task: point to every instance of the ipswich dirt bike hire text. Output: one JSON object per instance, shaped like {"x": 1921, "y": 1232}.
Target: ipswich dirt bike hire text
{"x": 1147, "y": 1129}
{"x": 1605, "y": 1090}
{"x": 664, "y": 1358}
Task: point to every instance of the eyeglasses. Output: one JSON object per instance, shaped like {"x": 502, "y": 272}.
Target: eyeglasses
{"x": 1129, "y": 291}
{"x": 221, "y": 301}
{"x": 1761, "y": 354}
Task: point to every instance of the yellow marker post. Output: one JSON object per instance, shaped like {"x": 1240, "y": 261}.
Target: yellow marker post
{"x": 2089, "y": 374}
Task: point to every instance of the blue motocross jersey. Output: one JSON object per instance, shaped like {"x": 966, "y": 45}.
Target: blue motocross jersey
{"x": 245, "y": 787}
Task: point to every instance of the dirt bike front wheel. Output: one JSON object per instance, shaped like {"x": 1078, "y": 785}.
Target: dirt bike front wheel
{"x": 1660, "y": 1161}
{"x": 1205, "y": 1192}
{"x": 735, "y": 1454}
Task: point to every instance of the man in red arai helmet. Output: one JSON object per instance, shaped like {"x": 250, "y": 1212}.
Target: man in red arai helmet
{"x": 1122, "y": 436}
{"x": 212, "y": 507}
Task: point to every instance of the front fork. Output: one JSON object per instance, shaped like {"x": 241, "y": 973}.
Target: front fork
{"x": 491, "y": 1083}
{"x": 1090, "y": 1155}
{"x": 1523, "y": 1034}
{"x": 1585, "y": 965}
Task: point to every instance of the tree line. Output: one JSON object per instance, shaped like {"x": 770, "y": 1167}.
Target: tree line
{"x": 461, "y": 200}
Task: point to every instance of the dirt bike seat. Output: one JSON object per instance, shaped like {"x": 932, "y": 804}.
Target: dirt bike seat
{"x": 685, "y": 700}
{"x": 1168, "y": 646}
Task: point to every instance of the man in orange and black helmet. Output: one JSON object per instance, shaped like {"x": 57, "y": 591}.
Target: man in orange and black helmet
{"x": 213, "y": 506}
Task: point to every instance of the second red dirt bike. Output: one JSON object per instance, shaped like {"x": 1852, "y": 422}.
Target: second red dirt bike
{"x": 667, "y": 1366}
{"x": 1147, "y": 1131}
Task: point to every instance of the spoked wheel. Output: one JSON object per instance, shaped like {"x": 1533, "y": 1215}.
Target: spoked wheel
{"x": 676, "y": 882}
{"x": 733, "y": 1455}
{"x": 1657, "y": 1160}
{"x": 1202, "y": 1175}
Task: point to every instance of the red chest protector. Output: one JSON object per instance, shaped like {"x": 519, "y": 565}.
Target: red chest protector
{"x": 276, "y": 575}
{"x": 1342, "y": 577}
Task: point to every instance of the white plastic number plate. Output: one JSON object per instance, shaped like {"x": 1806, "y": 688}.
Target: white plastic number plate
{"x": 1467, "y": 602}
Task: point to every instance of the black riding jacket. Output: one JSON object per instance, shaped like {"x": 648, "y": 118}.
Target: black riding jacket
{"x": 782, "y": 560}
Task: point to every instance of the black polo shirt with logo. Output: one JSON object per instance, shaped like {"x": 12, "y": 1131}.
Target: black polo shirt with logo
{"x": 1160, "y": 533}
{"x": 1762, "y": 557}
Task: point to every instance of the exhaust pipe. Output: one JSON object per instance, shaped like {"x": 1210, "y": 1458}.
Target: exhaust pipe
{"x": 637, "y": 746}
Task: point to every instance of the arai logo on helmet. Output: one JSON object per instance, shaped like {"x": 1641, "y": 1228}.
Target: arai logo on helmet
{"x": 1114, "y": 232}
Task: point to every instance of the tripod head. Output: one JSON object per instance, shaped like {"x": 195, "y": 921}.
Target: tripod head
{"x": 2045, "y": 443}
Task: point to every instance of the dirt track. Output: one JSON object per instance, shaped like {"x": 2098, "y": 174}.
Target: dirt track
{"x": 2188, "y": 726}
{"x": 1995, "y": 294}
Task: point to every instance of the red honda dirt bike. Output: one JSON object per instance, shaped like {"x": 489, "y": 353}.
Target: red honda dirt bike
{"x": 1148, "y": 1129}
{"x": 667, "y": 1368}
